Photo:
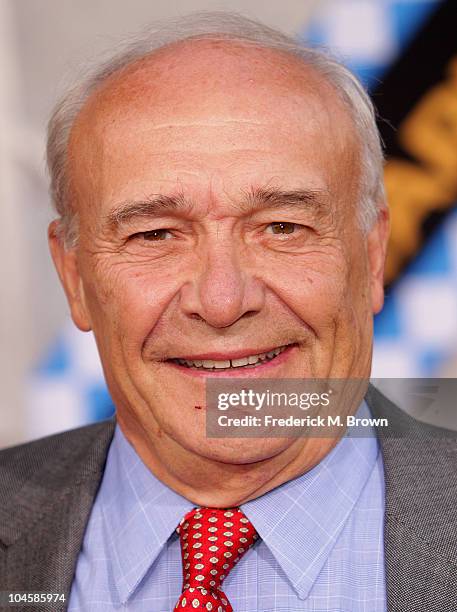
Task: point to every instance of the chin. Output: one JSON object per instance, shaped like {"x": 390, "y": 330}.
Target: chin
{"x": 237, "y": 451}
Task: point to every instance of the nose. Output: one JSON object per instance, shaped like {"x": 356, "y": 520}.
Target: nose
{"x": 223, "y": 290}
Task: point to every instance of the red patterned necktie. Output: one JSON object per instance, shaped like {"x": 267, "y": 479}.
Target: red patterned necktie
{"x": 213, "y": 540}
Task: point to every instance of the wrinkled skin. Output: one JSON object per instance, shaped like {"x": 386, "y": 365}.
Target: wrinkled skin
{"x": 217, "y": 279}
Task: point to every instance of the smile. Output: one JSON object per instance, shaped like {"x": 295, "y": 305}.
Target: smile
{"x": 250, "y": 361}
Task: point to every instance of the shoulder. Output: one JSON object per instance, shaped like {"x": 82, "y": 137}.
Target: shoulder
{"x": 420, "y": 469}
{"x": 76, "y": 453}
{"x": 404, "y": 426}
{"x": 414, "y": 451}
{"x": 47, "y": 488}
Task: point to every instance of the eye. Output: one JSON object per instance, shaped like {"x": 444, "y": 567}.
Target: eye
{"x": 153, "y": 235}
{"x": 282, "y": 227}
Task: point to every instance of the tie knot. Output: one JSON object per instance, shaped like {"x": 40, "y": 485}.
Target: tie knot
{"x": 213, "y": 540}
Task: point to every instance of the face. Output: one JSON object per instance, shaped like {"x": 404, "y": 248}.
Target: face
{"x": 218, "y": 229}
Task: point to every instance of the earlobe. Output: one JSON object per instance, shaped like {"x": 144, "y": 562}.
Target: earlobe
{"x": 377, "y": 250}
{"x": 65, "y": 261}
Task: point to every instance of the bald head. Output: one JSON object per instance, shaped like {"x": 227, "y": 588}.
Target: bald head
{"x": 232, "y": 52}
{"x": 215, "y": 73}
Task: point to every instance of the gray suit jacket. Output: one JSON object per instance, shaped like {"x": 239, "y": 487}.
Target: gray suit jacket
{"x": 47, "y": 489}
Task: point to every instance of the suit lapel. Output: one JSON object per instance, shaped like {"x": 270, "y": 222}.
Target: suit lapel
{"x": 420, "y": 537}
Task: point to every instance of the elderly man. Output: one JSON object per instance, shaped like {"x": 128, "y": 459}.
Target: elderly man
{"x": 221, "y": 214}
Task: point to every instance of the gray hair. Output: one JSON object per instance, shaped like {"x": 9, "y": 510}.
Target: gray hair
{"x": 216, "y": 25}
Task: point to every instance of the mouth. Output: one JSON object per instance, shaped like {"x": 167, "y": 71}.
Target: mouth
{"x": 228, "y": 363}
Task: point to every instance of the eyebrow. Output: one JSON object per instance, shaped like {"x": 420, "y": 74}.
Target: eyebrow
{"x": 316, "y": 200}
{"x": 253, "y": 199}
{"x": 152, "y": 206}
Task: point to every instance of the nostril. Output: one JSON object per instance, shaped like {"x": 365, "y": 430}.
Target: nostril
{"x": 250, "y": 313}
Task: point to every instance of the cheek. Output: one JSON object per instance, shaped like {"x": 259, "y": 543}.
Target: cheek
{"x": 315, "y": 286}
{"x": 126, "y": 301}
{"x": 359, "y": 278}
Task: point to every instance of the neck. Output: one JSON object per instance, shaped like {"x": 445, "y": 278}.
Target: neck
{"x": 209, "y": 482}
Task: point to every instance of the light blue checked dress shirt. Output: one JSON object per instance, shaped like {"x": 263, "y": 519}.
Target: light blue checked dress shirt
{"x": 321, "y": 546}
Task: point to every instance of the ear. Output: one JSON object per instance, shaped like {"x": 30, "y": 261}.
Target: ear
{"x": 66, "y": 263}
{"x": 377, "y": 248}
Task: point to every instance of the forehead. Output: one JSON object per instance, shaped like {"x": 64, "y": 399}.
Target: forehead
{"x": 196, "y": 78}
{"x": 200, "y": 100}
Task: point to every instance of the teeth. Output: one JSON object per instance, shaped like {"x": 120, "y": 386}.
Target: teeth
{"x": 251, "y": 360}
{"x": 222, "y": 364}
{"x": 242, "y": 361}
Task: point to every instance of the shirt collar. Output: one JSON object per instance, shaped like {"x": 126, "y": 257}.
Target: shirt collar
{"x": 299, "y": 521}
{"x": 130, "y": 495}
